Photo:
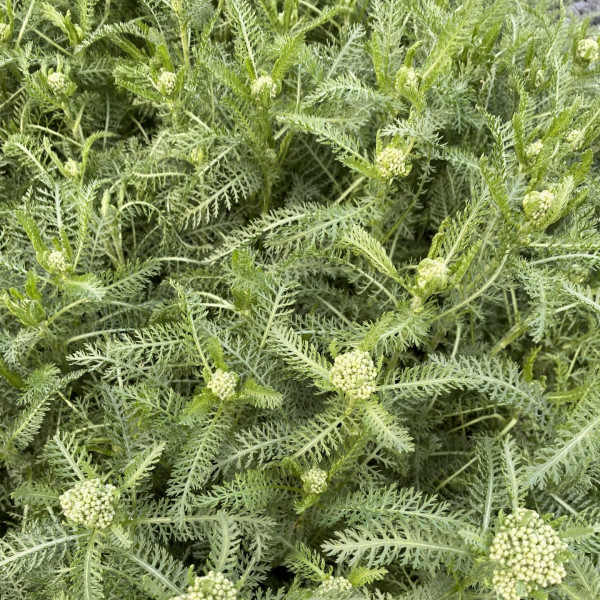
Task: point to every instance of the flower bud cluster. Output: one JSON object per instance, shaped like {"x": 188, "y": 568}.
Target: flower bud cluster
{"x": 532, "y": 151}
{"x": 72, "y": 168}
{"x": 391, "y": 163}
{"x": 167, "y": 81}
{"x": 527, "y": 552}
{"x": 573, "y": 138}
{"x": 90, "y": 503}
{"x": 57, "y": 262}
{"x": 59, "y": 83}
{"x": 213, "y": 586}
{"x": 587, "y": 50}
{"x": 263, "y": 85}
{"x": 406, "y": 79}
{"x": 335, "y": 585}
{"x": 536, "y": 206}
{"x": 223, "y": 383}
{"x": 314, "y": 481}
{"x": 432, "y": 276}
{"x": 5, "y": 32}
{"x": 354, "y": 374}
{"x": 197, "y": 156}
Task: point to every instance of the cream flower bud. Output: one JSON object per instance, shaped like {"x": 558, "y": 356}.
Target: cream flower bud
{"x": 406, "y": 79}
{"x": 574, "y": 138}
{"x": 536, "y": 206}
{"x": 432, "y": 276}
{"x": 90, "y": 503}
{"x": 213, "y": 586}
{"x": 72, "y": 168}
{"x": 391, "y": 163}
{"x": 314, "y": 481}
{"x": 532, "y": 151}
{"x": 57, "y": 262}
{"x": 59, "y": 83}
{"x": 5, "y": 32}
{"x": 263, "y": 86}
{"x": 335, "y": 585}
{"x": 223, "y": 383}
{"x": 526, "y": 551}
{"x": 587, "y": 50}
{"x": 354, "y": 374}
{"x": 166, "y": 82}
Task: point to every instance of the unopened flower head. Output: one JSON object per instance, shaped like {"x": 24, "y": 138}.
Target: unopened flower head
{"x": 587, "y": 50}
{"x": 536, "y": 206}
{"x": 72, "y": 168}
{"x": 354, "y": 374}
{"x": 391, "y": 163}
{"x": 432, "y": 276}
{"x": 5, "y": 32}
{"x": 90, "y": 503}
{"x": 223, "y": 383}
{"x": 57, "y": 262}
{"x": 574, "y": 137}
{"x": 335, "y": 585}
{"x": 314, "y": 481}
{"x": 528, "y": 554}
{"x": 59, "y": 83}
{"x": 264, "y": 85}
{"x": 406, "y": 79}
{"x": 197, "y": 156}
{"x": 167, "y": 81}
{"x": 532, "y": 151}
{"x": 213, "y": 586}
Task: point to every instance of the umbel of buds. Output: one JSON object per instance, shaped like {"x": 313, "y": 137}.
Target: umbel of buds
{"x": 166, "y": 82}
{"x": 314, "y": 481}
{"x": 263, "y": 87}
{"x": 587, "y": 50}
{"x": 72, "y": 168}
{"x": 528, "y": 554}
{"x": 57, "y": 262}
{"x": 213, "y": 586}
{"x": 354, "y": 374}
{"x": 223, "y": 383}
{"x": 406, "y": 80}
{"x": 536, "y": 206}
{"x": 532, "y": 151}
{"x": 197, "y": 156}
{"x": 90, "y": 503}
{"x": 432, "y": 277}
{"x": 59, "y": 83}
{"x": 335, "y": 585}
{"x": 573, "y": 138}
{"x": 5, "y": 32}
{"x": 391, "y": 163}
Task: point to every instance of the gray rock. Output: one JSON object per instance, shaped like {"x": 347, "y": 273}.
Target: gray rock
{"x": 587, "y": 8}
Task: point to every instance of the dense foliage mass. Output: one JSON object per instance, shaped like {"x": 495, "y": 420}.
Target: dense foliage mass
{"x": 299, "y": 300}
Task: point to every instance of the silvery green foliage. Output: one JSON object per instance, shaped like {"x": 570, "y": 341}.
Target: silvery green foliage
{"x": 311, "y": 286}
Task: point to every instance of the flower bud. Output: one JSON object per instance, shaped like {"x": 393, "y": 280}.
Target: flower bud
{"x": 354, "y": 374}
{"x": 314, "y": 481}
{"x": 391, "y": 163}
{"x": 587, "y": 50}
{"x": 222, "y": 384}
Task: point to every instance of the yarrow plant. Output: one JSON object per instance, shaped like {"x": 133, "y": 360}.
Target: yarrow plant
{"x": 299, "y": 300}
